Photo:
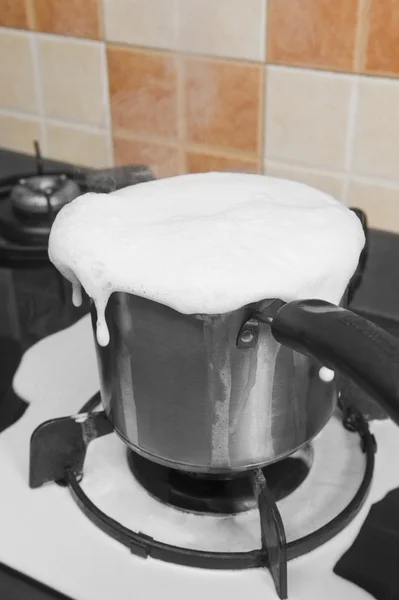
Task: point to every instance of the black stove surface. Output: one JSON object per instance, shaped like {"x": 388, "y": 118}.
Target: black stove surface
{"x": 35, "y": 300}
{"x": 12, "y": 407}
{"x": 372, "y": 562}
{"x": 17, "y": 586}
{"x": 17, "y": 257}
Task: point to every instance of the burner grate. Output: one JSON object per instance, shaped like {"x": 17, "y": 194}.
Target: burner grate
{"x": 58, "y": 450}
{"x": 202, "y": 493}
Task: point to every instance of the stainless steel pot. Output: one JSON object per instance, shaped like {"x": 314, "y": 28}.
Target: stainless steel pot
{"x": 226, "y": 393}
{"x": 181, "y": 391}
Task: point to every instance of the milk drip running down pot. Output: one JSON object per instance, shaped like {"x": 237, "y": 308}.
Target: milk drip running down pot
{"x": 218, "y": 298}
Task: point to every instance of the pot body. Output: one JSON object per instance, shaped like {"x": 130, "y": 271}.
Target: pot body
{"x": 180, "y": 391}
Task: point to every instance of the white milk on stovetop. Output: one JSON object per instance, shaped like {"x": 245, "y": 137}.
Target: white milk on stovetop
{"x": 207, "y": 243}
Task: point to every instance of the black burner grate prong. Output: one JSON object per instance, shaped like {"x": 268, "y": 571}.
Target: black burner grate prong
{"x": 274, "y": 543}
{"x": 58, "y": 450}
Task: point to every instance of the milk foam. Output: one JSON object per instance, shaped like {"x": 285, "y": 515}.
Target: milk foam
{"x": 207, "y": 243}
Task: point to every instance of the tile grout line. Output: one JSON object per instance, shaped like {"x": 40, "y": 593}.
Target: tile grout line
{"x": 350, "y": 136}
{"x": 20, "y": 114}
{"x": 383, "y": 78}
{"x": 265, "y": 109}
{"x": 76, "y": 125}
{"x": 107, "y": 103}
{"x": 262, "y": 119}
{"x": 358, "y": 66}
{"x": 191, "y": 55}
{"x": 176, "y": 26}
{"x": 61, "y": 37}
{"x": 127, "y": 134}
{"x": 192, "y": 146}
{"x": 202, "y": 56}
{"x": 52, "y": 121}
{"x": 180, "y": 91}
{"x": 265, "y": 14}
{"x": 31, "y": 14}
{"x": 101, "y": 21}
{"x": 325, "y": 172}
{"x": 105, "y": 83}
{"x": 55, "y": 37}
{"x": 39, "y": 92}
{"x": 381, "y": 182}
{"x": 362, "y": 31}
{"x": 306, "y": 167}
{"x": 181, "y": 121}
{"x": 263, "y": 104}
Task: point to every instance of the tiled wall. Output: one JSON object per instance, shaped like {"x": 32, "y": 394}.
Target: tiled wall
{"x": 304, "y": 89}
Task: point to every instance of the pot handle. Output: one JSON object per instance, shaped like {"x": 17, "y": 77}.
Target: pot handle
{"x": 358, "y": 275}
{"x": 345, "y": 342}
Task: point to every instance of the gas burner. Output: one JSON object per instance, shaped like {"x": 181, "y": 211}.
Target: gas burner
{"x": 339, "y": 473}
{"x": 201, "y": 493}
{"x": 29, "y": 203}
{"x": 42, "y": 196}
{"x": 34, "y": 201}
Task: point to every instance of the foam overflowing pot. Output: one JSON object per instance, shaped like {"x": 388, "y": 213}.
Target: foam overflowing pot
{"x": 207, "y": 243}
{"x": 196, "y": 263}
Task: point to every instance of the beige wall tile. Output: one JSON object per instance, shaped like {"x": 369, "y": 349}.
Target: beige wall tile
{"x": 143, "y": 91}
{"x": 326, "y": 182}
{"x": 307, "y": 115}
{"x": 78, "y": 18}
{"x": 379, "y": 202}
{"x": 231, "y": 28}
{"x": 78, "y": 145}
{"x": 72, "y": 79}
{"x": 13, "y": 13}
{"x": 141, "y": 22}
{"x": 376, "y": 143}
{"x": 314, "y": 33}
{"x": 162, "y": 159}
{"x": 382, "y": 52}
{"x": 223, "y": 103}
{"x": 17, "y": 75}
{"x": 18, "y": 133}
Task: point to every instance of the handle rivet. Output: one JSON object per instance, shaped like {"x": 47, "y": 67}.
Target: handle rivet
{"x": 247, "y": 336}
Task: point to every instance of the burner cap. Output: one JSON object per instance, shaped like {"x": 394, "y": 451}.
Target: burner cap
{"x": 201, "y": 493}
{"x": 40, "y": 195}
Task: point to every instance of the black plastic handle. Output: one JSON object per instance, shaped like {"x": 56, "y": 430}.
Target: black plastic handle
{"x": 345, "y": 342}
{"x": 358, "y": 275}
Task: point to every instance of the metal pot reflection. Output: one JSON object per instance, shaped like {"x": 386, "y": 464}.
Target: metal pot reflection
{"x": 180, "y": 391}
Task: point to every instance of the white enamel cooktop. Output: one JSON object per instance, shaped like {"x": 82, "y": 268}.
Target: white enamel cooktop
{"x": 46, "y": 536}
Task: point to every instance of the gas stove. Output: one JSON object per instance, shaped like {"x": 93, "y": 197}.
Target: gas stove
{"x": 46, "y": 536}
{"x": 285, "y": 508}
{"x": 35, "y": 300}
{"x": 30, "y": 201}
{"x": 129, "y": 527}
